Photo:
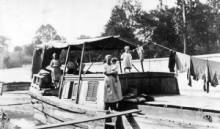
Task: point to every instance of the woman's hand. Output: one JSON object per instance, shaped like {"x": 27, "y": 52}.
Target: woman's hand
{"x": 111, "y": 73}
{"x": 114, "y": 73}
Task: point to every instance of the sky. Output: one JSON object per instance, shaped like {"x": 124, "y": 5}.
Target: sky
{"x": 19, "y": 19}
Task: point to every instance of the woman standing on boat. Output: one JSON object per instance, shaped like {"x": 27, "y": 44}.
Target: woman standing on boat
{"x": 55, "y": 71}
{"x": 113, "y": 92}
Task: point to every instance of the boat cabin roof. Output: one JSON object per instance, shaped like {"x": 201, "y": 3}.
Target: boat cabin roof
{"x": 103, "y": 43}
{"x": 100, "y": 43}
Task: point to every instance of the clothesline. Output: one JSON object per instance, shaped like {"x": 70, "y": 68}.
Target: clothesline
{"x": 196, "y": 67}
{"x": 165, "y": 47}
{"x": 157, "y": 45}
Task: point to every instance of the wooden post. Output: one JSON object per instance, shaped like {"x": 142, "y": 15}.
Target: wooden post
{"x": 1, "y": 88}
{"x": 62, "y": 79}
{"x": 80, "y": 69}
{"x": 119, "y": 57}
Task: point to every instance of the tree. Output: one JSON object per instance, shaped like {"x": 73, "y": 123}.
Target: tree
{"x": 46, "y": 33}
{"x": 200, "y": 27}
{"x": 83, "y": 37}
{"x": 190, "y": 25}
{"x": 29, "y": 49}
{"x": 3, "y": 41}
{"x": 215, "y": 5}
{"x": 158, "y": 26}
{"x": 121, "y": 21}
{"x": 18, "y": 49}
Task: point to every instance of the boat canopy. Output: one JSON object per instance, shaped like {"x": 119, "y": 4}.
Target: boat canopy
{"x": 112, "y": 43}
{"x": 100, "y": 43}
{"x": 53, "y": 44}
{"x": 103, "y": 43}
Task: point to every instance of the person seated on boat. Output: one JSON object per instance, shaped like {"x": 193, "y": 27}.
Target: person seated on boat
{"x": 113, "y": 93}
{"x": 127, "y": 59}
{"x": 55, "y": 70}
{"x": 45, "y": 78}
{"x": 78, "y": 66}
{"x": 72, "y": 67}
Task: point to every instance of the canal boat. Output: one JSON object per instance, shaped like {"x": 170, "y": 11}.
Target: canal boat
{"x": 80, "y": 97}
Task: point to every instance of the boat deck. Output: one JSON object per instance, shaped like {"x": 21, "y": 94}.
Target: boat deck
{"x": 204, "y": 103}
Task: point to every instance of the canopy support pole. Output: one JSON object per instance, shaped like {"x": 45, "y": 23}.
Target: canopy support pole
{"x": 135, "y": 68}
{"x": 80, "y": 73}
{"x": 64, "y": 72}
{"x": 142, "y": 65}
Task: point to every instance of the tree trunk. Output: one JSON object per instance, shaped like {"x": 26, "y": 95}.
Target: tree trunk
{"x": 184, "y": 26}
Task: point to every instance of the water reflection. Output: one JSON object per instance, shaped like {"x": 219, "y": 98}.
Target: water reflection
{"x": 19, "y": 110}
{"x": 21, "y": 118}
{"x": 24, "y": 123}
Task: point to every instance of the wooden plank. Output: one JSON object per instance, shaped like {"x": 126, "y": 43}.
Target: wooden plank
{"x": 62, "y": 120}
{"x": 88, "y": 119}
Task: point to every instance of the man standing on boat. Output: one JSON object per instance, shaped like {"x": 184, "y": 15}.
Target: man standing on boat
{"x": 140, "y": 52}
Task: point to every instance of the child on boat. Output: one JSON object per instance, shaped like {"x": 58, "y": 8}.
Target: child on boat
{"x": 127, "y": 59}
{"x": 114, "y": 67}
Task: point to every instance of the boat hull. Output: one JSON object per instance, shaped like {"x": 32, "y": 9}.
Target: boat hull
{"x": 48, "y": 111}
{"x": 51, "y": 109}
{"x": 152, "y": 116}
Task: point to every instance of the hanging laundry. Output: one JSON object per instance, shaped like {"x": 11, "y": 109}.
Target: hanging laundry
{"x": 214, "y": 73}
{"x": 182, "y": 62}
{"x": 199, "y": 70}
{"x": 171, "y": 64}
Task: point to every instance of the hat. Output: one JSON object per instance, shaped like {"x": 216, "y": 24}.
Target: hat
{"x": 107, "y": 57}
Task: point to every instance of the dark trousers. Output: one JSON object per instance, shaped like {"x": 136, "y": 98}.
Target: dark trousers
{"x": 112, "y": 106}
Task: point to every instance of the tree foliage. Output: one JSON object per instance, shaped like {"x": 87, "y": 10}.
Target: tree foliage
{"x": 121, "y": 22}
{"x": 201, "y": 33}
{"x": 28, "y": 49}
{"x": 18, "y": 49}
{"x": 165, "y": 26}
{"x": 3, "y": 41}
{"x": 46, "y": 33}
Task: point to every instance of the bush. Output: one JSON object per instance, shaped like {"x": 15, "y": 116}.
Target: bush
{"x": 13, "y": 60}
{"x": 26, "y": 59}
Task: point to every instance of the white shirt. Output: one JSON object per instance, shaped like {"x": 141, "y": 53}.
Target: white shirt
{"x": 127, "y": 59}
